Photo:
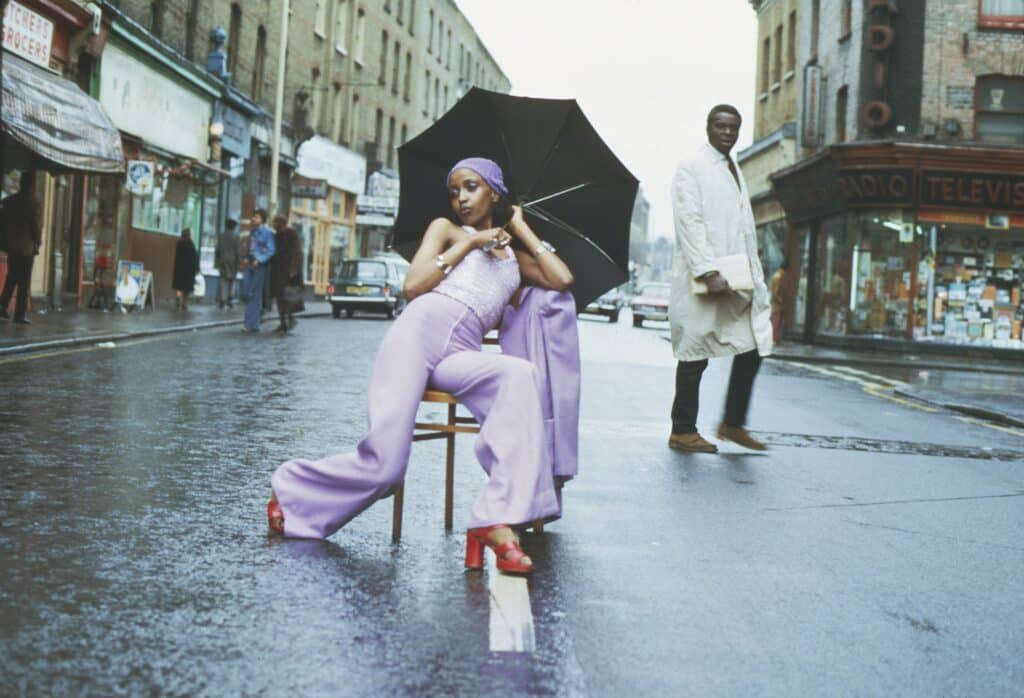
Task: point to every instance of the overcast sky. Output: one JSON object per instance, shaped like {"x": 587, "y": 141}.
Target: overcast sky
{"x": 644, "y": 71}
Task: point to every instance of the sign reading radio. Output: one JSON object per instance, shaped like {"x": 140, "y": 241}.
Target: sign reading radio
{"x": 879, "y": 38}
{"x": 989, "y": 191}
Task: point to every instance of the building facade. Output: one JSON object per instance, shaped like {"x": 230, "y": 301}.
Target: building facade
{"x": 905, "y": 207}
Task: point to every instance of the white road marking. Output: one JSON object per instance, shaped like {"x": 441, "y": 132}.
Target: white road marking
{"x": 990, "y": 425}
{"x": 511, "y": 615}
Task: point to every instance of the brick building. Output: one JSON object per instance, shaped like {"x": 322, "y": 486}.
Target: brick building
{"x": 904, "y": 210}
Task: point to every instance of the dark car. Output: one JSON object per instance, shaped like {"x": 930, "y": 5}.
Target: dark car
{"x": 650, "y": 303}
{"x": 608, "y": 305}
{"x": 368, "y": 284}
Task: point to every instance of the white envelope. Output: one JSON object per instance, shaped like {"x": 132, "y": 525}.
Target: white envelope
{"x": 736, "y": 270}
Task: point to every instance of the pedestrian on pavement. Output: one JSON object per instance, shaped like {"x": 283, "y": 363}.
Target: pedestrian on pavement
{"x": 254, "y": 276}
{"x": 459, "y": 283}
{"x": 21, "y": 237}
{"x": 186, "y": 266}
{"x": 713, "y": 220}
{"x": 285, "y": 272}
{"x": 226, "y": 258}
{"x": 777, "y": 288}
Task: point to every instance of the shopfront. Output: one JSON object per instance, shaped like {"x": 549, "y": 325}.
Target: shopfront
{"x": 326, "y": 225}
{"x": 164, "y": 111}
{"x": 906, "y": 242}
{"x": 53, "y": 127}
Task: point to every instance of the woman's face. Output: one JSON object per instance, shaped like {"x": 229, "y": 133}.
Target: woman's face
{"x": 471, "y": 198}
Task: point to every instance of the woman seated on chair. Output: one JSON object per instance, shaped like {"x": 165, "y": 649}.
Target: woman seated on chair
{"x": 460, "y": 280}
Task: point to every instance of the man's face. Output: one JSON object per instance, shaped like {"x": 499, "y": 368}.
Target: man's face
{"x": 723, "y": 131}
{"x": 257, "y": 220}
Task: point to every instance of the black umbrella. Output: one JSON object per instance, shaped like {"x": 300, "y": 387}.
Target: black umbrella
{"x": 575, "y": 193}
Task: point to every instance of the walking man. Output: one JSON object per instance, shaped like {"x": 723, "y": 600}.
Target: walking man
{"x": 254, "y": 278}
{"x": 713, "y": 219}
{"x": 226, "y": 259}
{"x": 21, "y": 238}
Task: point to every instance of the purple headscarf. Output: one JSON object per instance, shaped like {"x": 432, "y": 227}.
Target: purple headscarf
{"x": 489, "y": 170}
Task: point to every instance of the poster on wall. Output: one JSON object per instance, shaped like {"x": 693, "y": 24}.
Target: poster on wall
{"x": 139, "y": 177}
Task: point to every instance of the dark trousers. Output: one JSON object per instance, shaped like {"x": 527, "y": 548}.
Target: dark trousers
{"x": 19, "y": 274}
{"x": 687, "y": 400}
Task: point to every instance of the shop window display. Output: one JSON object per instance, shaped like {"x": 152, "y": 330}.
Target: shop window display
{"x": 882, "y": 270}
{"x": 977, "y": 285}
{"x": 833, "y": 275}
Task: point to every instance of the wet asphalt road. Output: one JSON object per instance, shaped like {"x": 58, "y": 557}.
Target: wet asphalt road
{"x": 877, "y": 549}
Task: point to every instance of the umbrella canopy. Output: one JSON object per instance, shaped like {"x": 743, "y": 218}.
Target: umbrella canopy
{"x": 575, "y": 193}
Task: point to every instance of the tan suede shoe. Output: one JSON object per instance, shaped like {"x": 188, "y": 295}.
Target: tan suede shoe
{"x": 740, "y": 436}
{"x": 691, "y": 443}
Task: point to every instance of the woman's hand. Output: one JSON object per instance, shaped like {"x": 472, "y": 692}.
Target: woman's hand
{"x": 491, "y": 238}
{"x": 516, "y": 222}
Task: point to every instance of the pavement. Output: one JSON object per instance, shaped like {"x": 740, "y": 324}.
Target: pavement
{"x": 76, "y": 326}
{"x": 868, "y": 552}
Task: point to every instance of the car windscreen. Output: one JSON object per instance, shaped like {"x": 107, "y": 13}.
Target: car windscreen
{"x": 655, "y": 291}
{"x": 363, "y": 270}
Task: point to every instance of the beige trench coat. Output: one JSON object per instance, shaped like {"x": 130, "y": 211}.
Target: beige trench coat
{"x": 713, "y": 219}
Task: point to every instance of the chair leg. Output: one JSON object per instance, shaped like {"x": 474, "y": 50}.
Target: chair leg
{"x": 396, "y": 516}
{"x": 449, "y": 472}
{"x": 538, "y": 526}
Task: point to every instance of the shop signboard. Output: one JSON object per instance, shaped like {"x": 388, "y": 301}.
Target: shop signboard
{"x": 148, "y": 103}
{"x": 308, "y": 188}
{"x": 320, "y": 158}
{"x": 382, "y": 184}
{"x": 811, "y": 116}
{"x": 27, "y": 34}
{"x": 236, "y": 138}
{"x": 977, "y": 190}
{"x": 876, "y": 187}
{"x": 139, "y": 177}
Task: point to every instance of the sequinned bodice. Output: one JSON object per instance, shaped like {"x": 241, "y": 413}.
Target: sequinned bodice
{"x": 483, "y": 282}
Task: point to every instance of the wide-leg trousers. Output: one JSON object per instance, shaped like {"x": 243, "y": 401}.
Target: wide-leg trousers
{"x": 436, "y": 341}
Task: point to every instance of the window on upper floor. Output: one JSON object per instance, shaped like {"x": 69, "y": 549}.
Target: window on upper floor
{"x": 842, "y": 105}
{"x": 353, "y": 136}
{"x": 426, "y": 93}
{"x": 396, "y": 62}
{"x": 448, "y": 56}
{"x": 259, "y": 63}
{"x": 378, "y": 135}
{"x": 766, "y": 63}
{"x": 407, "y": 86}
{"x": 1001, "y": 14}
{"x": 341, "y": 27}
{"x": 846, "y": 20}
{"x": 360, "y": 40}
{"x": 777, "y": 66}
{"x": 339, "y": 112}
{"x": 156, "y": 18}
{"x": 320, "y": 19}
{"x": 412, "y": 15}
{"x": 791, "y": 43}
{"x": 387, "y": 6}
{"x": 430, "y": 42}
{"x": 382, "y": 71}
{"x": 234, "y": 36}
{"x": 999, "y": 109}
{"x": 437, "y": 98}
{"x": 191, "y": 29}
{"x": 392, "y": 145}
{"x": 815, "y": 28}
{"x": 405, "y": 134}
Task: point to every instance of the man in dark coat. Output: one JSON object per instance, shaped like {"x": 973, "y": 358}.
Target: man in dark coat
{"x": 226, "y": 258}
{"x": 286, "y": 272}
{"x": 186, "y": 266}
{"x": 21, "y": 239}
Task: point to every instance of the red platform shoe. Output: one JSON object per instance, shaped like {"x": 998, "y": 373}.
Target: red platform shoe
{"x": 508, "y": 554}
{"x": 275, "y": 517}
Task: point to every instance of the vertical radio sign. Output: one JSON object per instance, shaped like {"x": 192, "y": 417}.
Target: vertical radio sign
{"x": 811, "y": 115}
{"x": 879, "y": 38}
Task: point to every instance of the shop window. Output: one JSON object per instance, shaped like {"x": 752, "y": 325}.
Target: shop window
{"x": 259, "y": 64}
{"x": 382, "y": 70}
{"x": 1001, "y": 14}
{"x": 234, "y": 37}
{"x": 842, "y": 104}
{"x": 833, "y": 281}
{"x": 975, "y": 294}
{"x": 999, "y": 109}
{"x": 881, "y": 265}
{"x": 157, "y": 215}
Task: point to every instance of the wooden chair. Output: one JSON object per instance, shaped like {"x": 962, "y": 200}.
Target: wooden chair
{"x": 428, "y": 431}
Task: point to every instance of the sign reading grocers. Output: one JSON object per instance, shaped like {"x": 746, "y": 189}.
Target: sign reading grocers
{"x": 27, "y": 34}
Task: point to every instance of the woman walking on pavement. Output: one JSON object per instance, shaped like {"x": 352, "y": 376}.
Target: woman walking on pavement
{"x": 186, "y": 266}
{"x": 285, "y": 272}
{"x": 21, "y": 237}
{"x": 460, "y": 280}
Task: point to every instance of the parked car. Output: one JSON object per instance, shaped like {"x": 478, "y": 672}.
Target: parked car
{"x": 608, "y": 305}
{"x": 650, "y": 303}
{"x": 368, "y": 284}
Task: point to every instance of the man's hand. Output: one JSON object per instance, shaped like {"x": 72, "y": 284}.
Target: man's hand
{"x": 717, "y": 284}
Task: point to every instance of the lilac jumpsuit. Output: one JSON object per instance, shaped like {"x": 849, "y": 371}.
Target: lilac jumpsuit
{"x": 437, "y": 341}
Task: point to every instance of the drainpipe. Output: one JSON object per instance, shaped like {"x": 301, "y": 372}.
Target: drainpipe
{"x": 275, "y": 146}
